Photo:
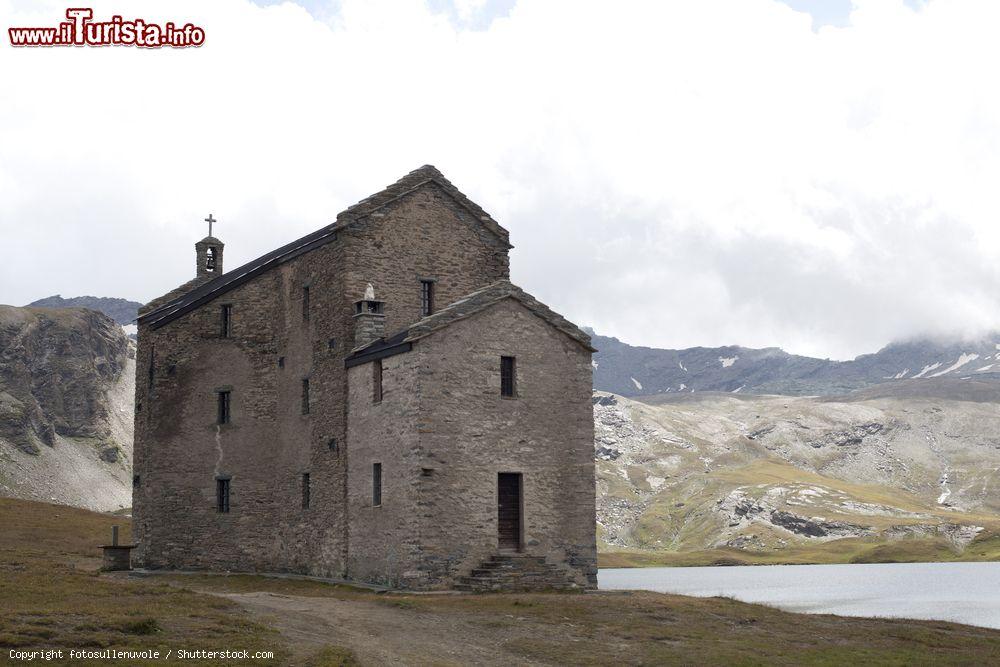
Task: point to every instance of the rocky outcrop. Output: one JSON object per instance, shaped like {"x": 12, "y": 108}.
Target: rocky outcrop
{"x": 66, "y": 379}
{"x": 853, "y": 436}
{"x": 55, "y": 366}
{"x": 121, "y": 311}
{"x": 767, "y": 473}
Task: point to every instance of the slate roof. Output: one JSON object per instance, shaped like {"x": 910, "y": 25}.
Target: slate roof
{"x": 465, "y": 307}
{"x": 158, "y": 313}
{"x": 205, "y": 292}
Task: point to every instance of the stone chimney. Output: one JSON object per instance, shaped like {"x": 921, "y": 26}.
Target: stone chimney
{"x": 209, "y": 255}
{"x": 369, "y": 319}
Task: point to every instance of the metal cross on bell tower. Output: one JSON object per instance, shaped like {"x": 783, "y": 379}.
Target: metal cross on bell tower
{"x": 211, "y": 221}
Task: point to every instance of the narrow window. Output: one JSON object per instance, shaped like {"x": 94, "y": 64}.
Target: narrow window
{"x": 227, "y": 320}
{"x": 377, "y": 381}
{"x": 426, "y": 297}
{"x": 281, "y": 362}
{"x": 376, "y": 484}
{"x": 332, "y": 444}
{"x": 222, "y": 495}
{"x": 305, "y": 304}
{"x": 305, "y": 396}
{"x": 224, "y": 413}
{"x": 305, "y": 490}
{"x": 135, "y": 481}
{"x": 507, "y": 377}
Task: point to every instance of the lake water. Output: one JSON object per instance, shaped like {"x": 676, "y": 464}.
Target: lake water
{"x": 960, "y": 592}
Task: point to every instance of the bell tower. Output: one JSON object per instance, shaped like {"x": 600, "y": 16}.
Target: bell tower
{"x": 208, "y": 253}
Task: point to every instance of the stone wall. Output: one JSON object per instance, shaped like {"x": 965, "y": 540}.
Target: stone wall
{"x": 179, "y": 449}
{"x": 423, "y": 235}
{"x": 449, "y": 384}
{"x": 384, "y": 540}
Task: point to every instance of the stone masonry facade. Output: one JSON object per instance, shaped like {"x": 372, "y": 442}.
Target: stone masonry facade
{"x": 275, "y": 341}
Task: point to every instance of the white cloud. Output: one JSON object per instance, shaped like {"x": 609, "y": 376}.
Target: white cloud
{"x": 677, "y": 174}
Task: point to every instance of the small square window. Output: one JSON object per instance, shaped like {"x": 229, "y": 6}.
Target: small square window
{"x": 332, "y": 444}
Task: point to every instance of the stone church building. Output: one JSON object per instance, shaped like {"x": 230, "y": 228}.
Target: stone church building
{"x": 374, "y": 401}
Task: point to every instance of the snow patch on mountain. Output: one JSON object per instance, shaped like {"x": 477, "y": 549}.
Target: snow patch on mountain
{"x": 638, "y": 385}
{"x": 927, "y": 369}
{"x": 962, "y": 360}
{"x": 727, "y": 361}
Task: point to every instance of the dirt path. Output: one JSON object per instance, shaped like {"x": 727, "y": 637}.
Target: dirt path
{"x": 385, "y": 632}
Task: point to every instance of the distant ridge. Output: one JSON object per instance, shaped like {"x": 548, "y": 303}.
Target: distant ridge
{"x": 120, "y": 310}
{"x": 641, "y": 371}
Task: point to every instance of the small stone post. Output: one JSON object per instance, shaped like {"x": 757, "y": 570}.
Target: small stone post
{"x": 117, "y": 556}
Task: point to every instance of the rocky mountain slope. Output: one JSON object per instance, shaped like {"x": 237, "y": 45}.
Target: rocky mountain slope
{"x": 730, "y": 473}
{"x": 121, "y": 311}
{"x": 66, "y": 392}
{"x": 639, "y": 371}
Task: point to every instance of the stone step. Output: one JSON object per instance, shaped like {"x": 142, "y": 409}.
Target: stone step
{"x": 514, "y": 572}
{"x": 502, "y": 568}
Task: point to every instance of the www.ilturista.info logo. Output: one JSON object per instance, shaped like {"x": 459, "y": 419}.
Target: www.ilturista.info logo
{"x": 81, "y": 30}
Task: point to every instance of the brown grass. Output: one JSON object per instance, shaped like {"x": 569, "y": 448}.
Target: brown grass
{"x": 848, "y": 550}
{"x": 52, "y": 596}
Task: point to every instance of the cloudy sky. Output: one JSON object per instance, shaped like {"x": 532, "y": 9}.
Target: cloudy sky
{"x": 821, "y": 176}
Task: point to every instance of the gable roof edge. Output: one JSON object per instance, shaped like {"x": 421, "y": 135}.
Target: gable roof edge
{"x": 488, "y": 296}
{"x": 409, "y": 184}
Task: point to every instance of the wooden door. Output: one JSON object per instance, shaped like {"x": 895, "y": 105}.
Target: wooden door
{"x": 509, "y": 510}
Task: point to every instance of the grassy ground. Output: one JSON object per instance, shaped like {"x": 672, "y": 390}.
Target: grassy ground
{"x": 51, "y": 596}
{"x": 851, "y": 550}
{"x": 638, "y": 628}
